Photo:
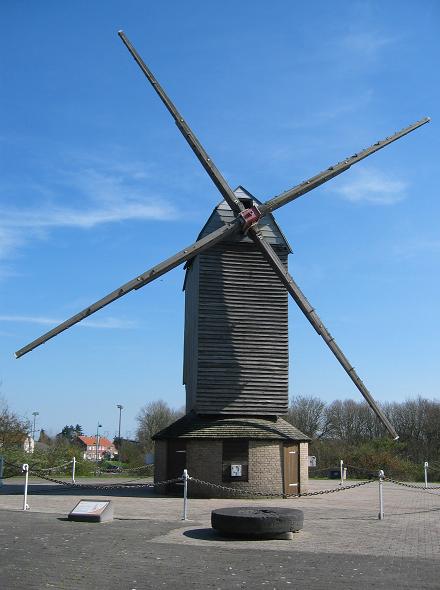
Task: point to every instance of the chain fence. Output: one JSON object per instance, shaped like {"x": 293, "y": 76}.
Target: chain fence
{"x": 225, "y": 490}
{"x": 121, "y": 470}
{"x": 56, "y": 467}
{"x": 42, "y": 470}
{"x": 133, "y": 484}
{"x": 250, "y": 492}
{"x": 101, "y": 486}
{"x": 42, "y": 474}
{"x": 421, "y": 487}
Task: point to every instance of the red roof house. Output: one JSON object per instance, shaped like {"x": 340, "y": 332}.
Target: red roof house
{"x": 105, "y": 447}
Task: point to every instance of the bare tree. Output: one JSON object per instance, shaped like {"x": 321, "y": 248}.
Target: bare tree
{"x": 418, "y": 423}
{"x": 351, "y": 421}
{"x": 152, "y": 418}
{"x": 308, "y": 414}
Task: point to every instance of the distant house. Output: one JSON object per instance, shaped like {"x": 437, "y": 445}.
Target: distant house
{"x": 105, "y": 447}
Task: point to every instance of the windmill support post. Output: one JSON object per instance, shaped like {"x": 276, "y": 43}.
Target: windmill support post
{"x": 381, "y": 476}
{"x": 426, "y": 465}
{"x": 185, "y": 478}
{"x": 25, "y": 468}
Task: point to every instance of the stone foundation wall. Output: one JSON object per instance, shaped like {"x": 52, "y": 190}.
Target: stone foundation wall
{"x": 266, "y": 466}
{"x": 204, "y": 461}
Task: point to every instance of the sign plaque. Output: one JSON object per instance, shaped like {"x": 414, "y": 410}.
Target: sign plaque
{"x": 92, "y": 511}
{"x": 236, "y": 471}
{"x": 312, "y": 461}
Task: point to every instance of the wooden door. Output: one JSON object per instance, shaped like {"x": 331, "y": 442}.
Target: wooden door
{"x": 176, "y": 458}
{"x": 291, "y": 468}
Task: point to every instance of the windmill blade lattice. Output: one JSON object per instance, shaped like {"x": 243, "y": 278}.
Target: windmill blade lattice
{"x": 336, "y": 169}
{"x": 148, "y": 276}
{"x": 317, "y": 324}
{"x": 188, "y": 134}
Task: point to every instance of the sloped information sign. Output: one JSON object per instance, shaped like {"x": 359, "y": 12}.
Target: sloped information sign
{"x": 92, "y": 511}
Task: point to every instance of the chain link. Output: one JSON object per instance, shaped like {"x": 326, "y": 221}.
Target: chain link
{"x": 42, "y": 473}
{"x": 125, "y": 469}
{"x": 48, "y": 469}
{"x": 111, "y": 486}
{"x": 410, "y": 485}
{"x": 277, "y": 495}
{"x": 68, "y": 484}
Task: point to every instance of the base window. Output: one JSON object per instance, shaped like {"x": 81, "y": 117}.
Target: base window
{"x": 235, "y": 460}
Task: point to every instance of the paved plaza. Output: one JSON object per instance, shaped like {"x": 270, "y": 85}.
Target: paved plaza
{"x": 342, "y": 545}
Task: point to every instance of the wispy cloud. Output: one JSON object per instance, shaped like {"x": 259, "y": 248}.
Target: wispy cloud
{"x": 10, "y": 240}
{"x": 366, "y": 43}
{"x": 102, "y": 194}
{"x": 371, "y": 186}
{"x": 417, "y": 246}
{"x": 55, "y": 216}
{"x": 334, "y": 111}
{"x": 106, "y": 323}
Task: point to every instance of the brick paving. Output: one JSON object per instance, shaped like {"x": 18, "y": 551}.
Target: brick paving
{"x": 343, "y": 544}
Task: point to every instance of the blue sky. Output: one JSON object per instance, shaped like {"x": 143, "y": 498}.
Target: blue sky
{"x": 97, "y": 185}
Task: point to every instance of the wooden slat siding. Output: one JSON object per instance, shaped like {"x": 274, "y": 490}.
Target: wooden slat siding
{"x": 242, "y": 363}
{"x": 190, "y": 355}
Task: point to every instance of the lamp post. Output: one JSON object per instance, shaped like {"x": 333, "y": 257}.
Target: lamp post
{"x": 120, "y": 408}
{"x": 97, "y": 441}
{"x": 34, "y": 414}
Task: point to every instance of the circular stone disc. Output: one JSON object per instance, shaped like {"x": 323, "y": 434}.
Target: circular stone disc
{"x": 256, "y": 521}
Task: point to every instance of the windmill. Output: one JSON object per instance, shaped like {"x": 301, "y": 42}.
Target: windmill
{"x": 235, "y": 362}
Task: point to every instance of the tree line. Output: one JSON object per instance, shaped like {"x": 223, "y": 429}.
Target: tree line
{"x": 348, "y": 429}
{"x": 342, "y": 429}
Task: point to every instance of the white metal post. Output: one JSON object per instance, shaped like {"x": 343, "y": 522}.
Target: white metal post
{"x": 185, "y": 494}
{"x": 426, "y": 474}
{"x": 73, "y": 469}
{"x": 2, "y": 466}
{"x": 381, "y": 476}
{"x": 25, "y": 468}
{"x": 341, "y": 467}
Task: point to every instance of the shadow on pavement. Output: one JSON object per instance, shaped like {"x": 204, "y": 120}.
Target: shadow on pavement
{"x": 129, "y": 490}
{"x": 210, "y": 534}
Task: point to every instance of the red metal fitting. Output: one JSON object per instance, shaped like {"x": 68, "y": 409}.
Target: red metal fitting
{"x": 249, "y": 217}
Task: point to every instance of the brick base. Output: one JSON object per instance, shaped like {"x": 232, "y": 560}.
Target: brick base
{"x": 204, "y": 462}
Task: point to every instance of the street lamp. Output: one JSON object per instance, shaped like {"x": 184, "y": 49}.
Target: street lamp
{"x": 97, "y": 441}
{"x": 120, "y": 412}
{"x": 34, "y": 414}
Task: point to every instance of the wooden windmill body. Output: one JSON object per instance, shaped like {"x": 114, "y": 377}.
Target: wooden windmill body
{"x": 236, "y": 369}
{"x": 236, "y": 333}
{"x": 236, "y": 336}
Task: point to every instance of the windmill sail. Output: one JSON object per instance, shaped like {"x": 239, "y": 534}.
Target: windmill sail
{"x": 248, "y": 218}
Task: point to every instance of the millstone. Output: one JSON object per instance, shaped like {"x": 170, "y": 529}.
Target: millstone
{"x": 257, "y": 522}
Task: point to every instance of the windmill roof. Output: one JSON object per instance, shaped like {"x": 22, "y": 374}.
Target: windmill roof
{"x": 223, "y": 214}
{"x": 196, "y": 426}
